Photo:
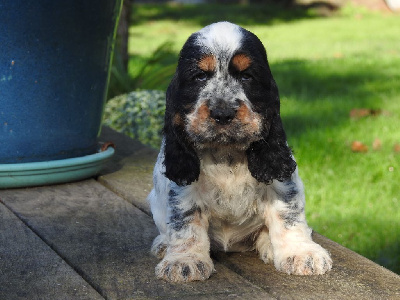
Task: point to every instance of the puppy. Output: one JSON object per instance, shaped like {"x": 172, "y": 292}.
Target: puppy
{"x": 225, "y": 177}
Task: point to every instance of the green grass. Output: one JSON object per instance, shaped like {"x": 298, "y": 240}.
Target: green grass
{"x": 324, "y": 67}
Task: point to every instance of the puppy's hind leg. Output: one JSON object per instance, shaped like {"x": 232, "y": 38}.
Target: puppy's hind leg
{"x": 264, "y": 246}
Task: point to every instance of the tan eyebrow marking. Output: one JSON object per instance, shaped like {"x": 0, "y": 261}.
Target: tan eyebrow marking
{"x": 207, "y": 63}
{"x": 241, "y": 62}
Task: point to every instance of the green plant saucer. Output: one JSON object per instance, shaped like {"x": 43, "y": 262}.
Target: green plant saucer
{"x": 51, "y": 172}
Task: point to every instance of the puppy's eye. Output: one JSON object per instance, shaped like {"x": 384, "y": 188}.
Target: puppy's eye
{"x": 201, "y": 76}
{"x": 245, "y": 77}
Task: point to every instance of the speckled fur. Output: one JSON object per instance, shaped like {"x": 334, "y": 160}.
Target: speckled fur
{"x": 231, "y": 186}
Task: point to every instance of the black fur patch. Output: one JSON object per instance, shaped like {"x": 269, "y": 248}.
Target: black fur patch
{"x": 186, "y": 271}
{"x": 179, "y": 218}
{"x": 291, "y": 218}
{"x": 295, "y": 209}
{"x": 291, "y": 191}
{"x": 271, "y": 158}
{"x": 202, "y": 269}
{"x": 181, "y": 162}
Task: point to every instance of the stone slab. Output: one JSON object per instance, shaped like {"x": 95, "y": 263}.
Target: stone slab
{"x": 107, "y": 241}
{"x": 30, "y": 269}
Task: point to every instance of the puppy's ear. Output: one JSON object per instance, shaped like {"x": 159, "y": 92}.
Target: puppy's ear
{"x": 182, "y": 164}
{"x": 270, "y": 157}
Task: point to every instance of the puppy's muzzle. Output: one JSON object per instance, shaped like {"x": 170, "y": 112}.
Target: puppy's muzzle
{"x": 224, "y": 112}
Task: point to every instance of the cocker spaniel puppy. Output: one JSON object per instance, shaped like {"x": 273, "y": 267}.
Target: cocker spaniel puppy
{"x": 225, "y": 177}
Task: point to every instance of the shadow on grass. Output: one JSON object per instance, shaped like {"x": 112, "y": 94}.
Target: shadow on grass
{"x": 325, "y": 91}
{"x": 271, "y": 12}
{"x": 385, "y": 257}
{"x": 360, "y": 233}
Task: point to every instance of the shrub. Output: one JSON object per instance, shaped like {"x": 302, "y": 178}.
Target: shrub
{"x": 139, "y": 114}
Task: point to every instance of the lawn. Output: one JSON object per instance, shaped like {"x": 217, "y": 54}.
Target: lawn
{"x": 325, "y": 67}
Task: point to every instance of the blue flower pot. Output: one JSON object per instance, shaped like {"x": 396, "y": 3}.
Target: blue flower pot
{"x": 54, "y": 69}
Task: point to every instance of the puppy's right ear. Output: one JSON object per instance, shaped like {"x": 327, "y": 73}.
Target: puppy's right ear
{"x": 182, "y": 165}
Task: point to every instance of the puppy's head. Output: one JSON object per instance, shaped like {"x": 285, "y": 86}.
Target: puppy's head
{"x": 223, "y": 95}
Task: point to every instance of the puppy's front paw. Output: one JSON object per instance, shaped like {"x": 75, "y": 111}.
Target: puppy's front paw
{"x": 184, "y": 267}
{"x": 309, "y": 259}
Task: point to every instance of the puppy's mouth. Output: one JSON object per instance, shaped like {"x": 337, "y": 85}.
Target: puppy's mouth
{"x": 235, "y": 125}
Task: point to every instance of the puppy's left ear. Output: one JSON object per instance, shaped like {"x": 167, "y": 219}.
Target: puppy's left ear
{"x": 270, "y": 157}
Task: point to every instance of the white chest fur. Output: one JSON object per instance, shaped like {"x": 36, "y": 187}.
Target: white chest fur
{"x": 227, "y": 188}
{"x": 231, "y": 196}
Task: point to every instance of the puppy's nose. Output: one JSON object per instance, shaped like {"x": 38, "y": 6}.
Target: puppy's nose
{"x": 223, "y": 116}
